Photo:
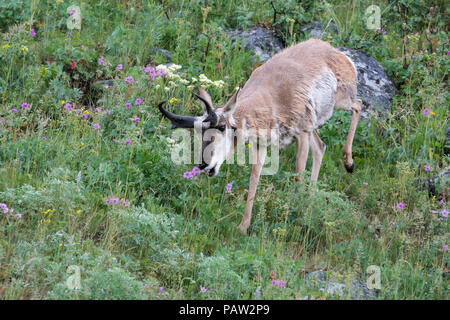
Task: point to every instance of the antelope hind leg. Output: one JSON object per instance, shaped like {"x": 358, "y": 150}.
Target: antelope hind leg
{"x": 347, "y": 151}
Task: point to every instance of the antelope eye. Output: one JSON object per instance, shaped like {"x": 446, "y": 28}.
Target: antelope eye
{"x": 222, "y": 127}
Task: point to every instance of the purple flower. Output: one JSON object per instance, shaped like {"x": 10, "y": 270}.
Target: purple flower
{"x": 444, "y": 213}
{"x": 137, "y": 119}
{"x": 195, "y": 171}
{"x": 445, "y": 247}
{"x": 108, "y": 201}
{"x": 129, "y": 80}
{"x": 281, "y": 283}
{"x": 127, "y": 105}
{"x": 427, "y": 168}
{"x": 14, "y": 110}
{"x": 274, "y": 283}
{"x": 128, "y": 142}
{"x": 401, "y": 206}
{"x": 187, "y": 175}
{"x": 24, "y": 105}
{"x": 119, "y": 67}
{"x": 384, "y": 32}
{"x": 68, "y": 106}
{"x": 162, "y": 73}
{"x": 124, "y": 203}
{"x": 202, "y": 289}
{"x": 100, "y": 60}
{"x": 448, "y": 52}
{"x": 441, "y": 201}
{"x": 86, "y": 115}
{"x": 44, "y": 138}
{"x": 160, "y": 290}
{"x": 152, "y": 74}
{"x": 229, "y": 186}
{"x": 257, "y": 293}
{"x": 426, "y": 111}
{"x": 138, "y": 100}
{"x": 96, "y": 126}
{"x": 19, "y": 216}
{"x": 4, "y": 207}
{"x": 115, "y": 201}
{"x": 32, "y": 32}
{"x": 71, "y": 13}
{"x": 108, "y": 112}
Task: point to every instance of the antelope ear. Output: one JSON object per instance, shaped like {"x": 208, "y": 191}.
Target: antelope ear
{"x": 230, "y": 106}
{"x": 205, "y": 96}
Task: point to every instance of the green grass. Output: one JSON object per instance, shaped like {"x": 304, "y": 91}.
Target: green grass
{"x": 182, "y": 234}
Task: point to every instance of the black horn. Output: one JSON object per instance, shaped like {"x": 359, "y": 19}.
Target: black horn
{"x": 178, "y": 121}
{"x": 212, "y": 116}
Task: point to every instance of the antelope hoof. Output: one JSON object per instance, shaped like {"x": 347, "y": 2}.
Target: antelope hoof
{"x": 243, "y": 227}
{"x": 349, "y": 168}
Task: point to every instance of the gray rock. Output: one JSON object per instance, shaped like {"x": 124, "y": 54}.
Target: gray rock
{"x": 158, "y": 52}
{"x": 104, "y": 83}
{"x": 438, "y": 185}
{"x": 333, "y": 285}
{"x": 315, "y": 29}
{"x": 263, "y": 42}
{"x": 374, "y": 86}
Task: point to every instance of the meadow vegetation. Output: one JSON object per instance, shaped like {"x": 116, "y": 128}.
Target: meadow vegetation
{"x": 86, "y": 176}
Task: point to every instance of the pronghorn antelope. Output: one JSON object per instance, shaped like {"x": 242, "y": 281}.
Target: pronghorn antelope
{"x": 295, "y": 92}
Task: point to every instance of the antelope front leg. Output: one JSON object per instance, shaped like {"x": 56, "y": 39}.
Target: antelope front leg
{"x": 302, "y": 153}
{"x": 347, "y": 152}
{"x": 254, "y": 180}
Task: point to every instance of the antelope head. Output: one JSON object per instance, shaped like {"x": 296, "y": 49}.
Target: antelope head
{"x": 217, "y": 126}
